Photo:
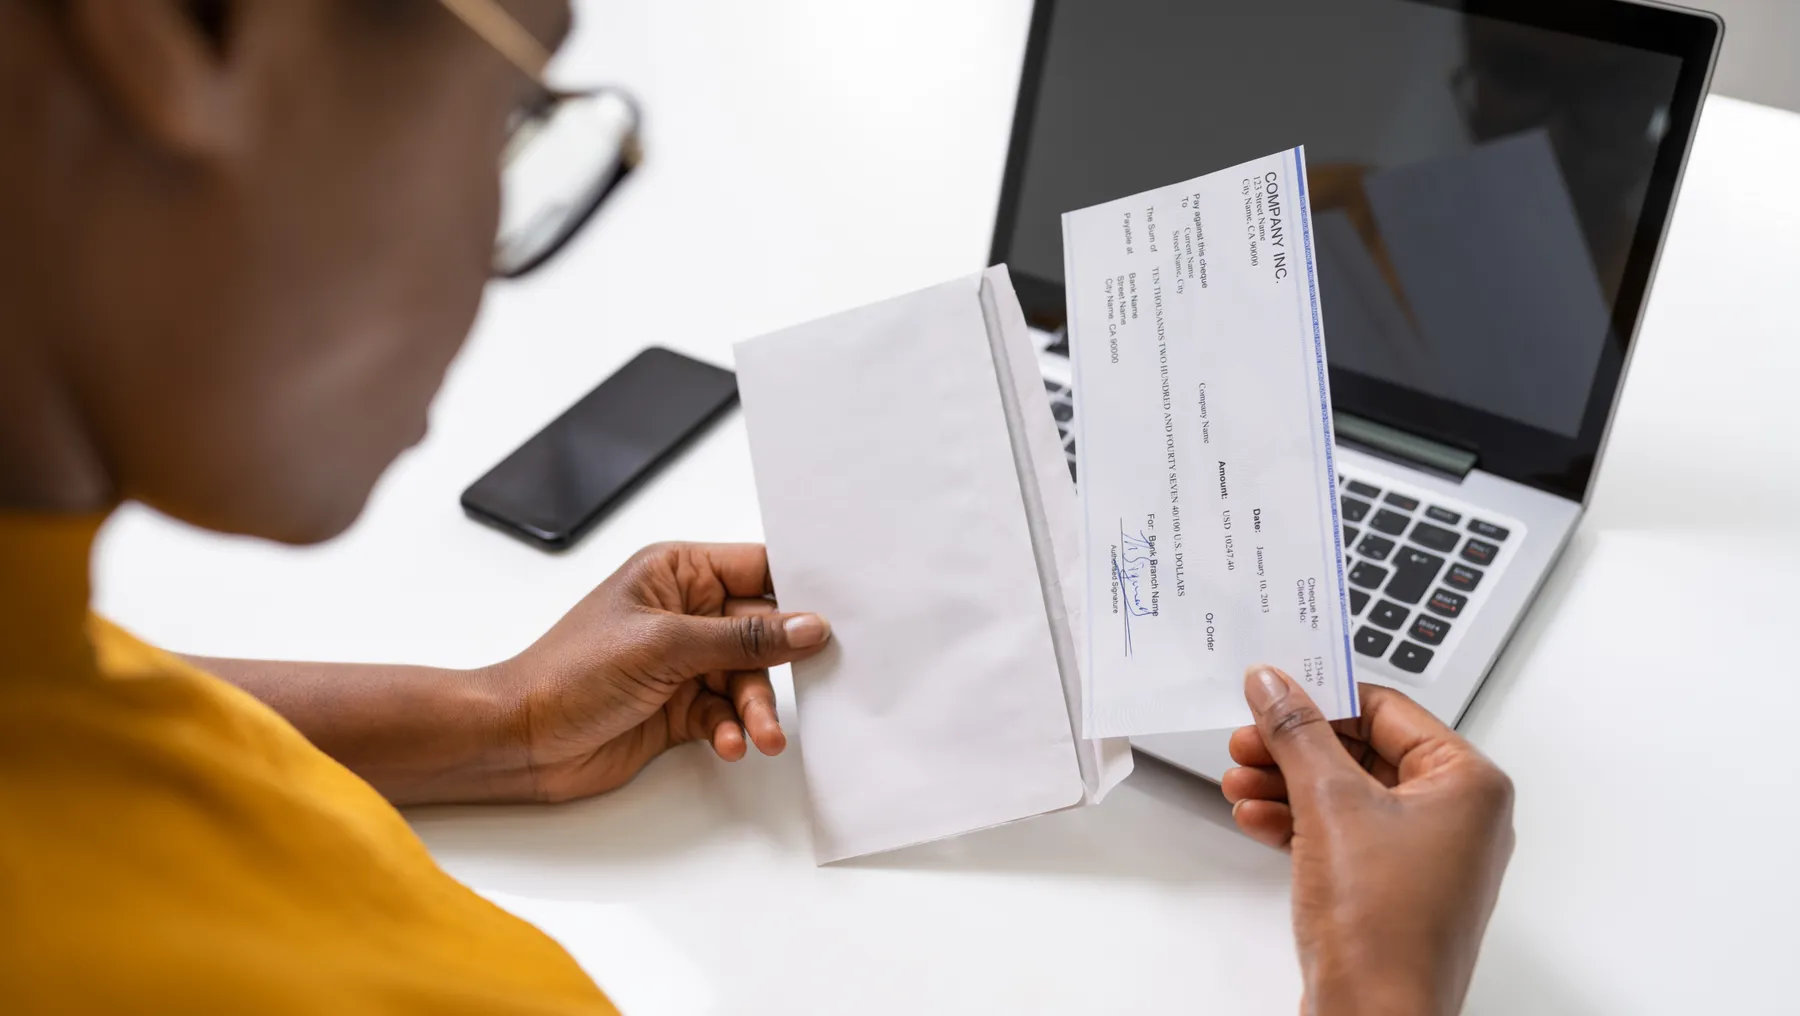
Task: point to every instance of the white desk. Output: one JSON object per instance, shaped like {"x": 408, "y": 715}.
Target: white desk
{"x": 806, "y": 157}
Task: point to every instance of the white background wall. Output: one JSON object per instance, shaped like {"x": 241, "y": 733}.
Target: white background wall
{"x": 1761, "y": 61}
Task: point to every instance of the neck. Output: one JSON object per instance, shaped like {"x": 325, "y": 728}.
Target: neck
{"x": 48, "y": 461}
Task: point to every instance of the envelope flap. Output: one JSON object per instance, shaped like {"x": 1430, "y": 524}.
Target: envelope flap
{"x": 1055, "y": 517}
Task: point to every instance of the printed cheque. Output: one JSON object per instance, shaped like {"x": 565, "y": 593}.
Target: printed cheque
{"x": 1205, "y": 451}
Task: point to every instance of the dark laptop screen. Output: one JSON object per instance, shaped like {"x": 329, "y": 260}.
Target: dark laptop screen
{"x": 1480, "y": 184}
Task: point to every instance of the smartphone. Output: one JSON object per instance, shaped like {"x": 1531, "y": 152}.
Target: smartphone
{"x": 563, "y": 481}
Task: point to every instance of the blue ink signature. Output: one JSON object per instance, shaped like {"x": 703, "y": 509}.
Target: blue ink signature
{"x": 1136, "y": 554}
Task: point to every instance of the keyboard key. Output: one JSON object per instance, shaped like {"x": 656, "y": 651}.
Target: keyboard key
{"x": 1053, "y": 388}
{"x": 1062, "y": 410}
{"x": 1368, "y": 576}
{"x": 1358, "y": 600}
{"x": 1072, "y": 470}
{"x": 1070, "y": 447}
{"x": 1463, "y": 578}
{"x": 1370, "y": 642}
{"x": 1354, "y": 510}
{"x": 1389, "y": 615}
{"x": 1479, "y": 552}
{"x": 1429, "y": 630}
{"x": 1362, "y": 489}
{"x": 1375, "y": 548}
{"x": 1410, "y": 658}
{"x": 1444, "y": 515}
{"x": 1489, "y": 530}
{"x": 1391, "y": 523}
{"x": 1445, "y": 603}
{"x": 1434, "y": 537}
{"x": 1350, "y": 535}
{"x": 1340, "y": 479}
{"x": 1414, "y": 571}
{"x": 1402, "y": 502}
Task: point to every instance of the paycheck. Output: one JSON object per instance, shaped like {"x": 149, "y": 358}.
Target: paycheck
{"x": 1205, "y": 451}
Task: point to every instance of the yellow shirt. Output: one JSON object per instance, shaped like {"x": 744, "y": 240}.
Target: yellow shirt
{"x": 169, "y": 844}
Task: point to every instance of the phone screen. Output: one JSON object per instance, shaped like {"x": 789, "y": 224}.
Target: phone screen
{"x": 562, "y": 481}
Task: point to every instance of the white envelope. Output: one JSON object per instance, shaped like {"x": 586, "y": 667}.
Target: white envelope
{"x": 914, "y": 492}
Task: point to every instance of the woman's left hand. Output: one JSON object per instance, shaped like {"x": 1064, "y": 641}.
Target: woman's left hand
{"x": 674, "y": 647}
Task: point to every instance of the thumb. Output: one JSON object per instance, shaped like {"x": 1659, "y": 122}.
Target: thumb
{"x": 704, "y": 645}
{"x": 1295, "y": 732}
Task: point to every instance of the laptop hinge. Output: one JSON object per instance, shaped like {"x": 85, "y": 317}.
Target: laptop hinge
{"x": 1406, "y": 449}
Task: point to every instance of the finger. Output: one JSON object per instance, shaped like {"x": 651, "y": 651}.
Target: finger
{"x": 1254, "y": 783}
{"x": 1267, "y": 822}
{"x": 1364, "y": 754}
{"x": 700, "y": 645}
{"x": 719, "y": 681}
{"x": 754, "y": 698}
{"x": 742, "y": 568}
{"x": 1247, "y": 748}
{"x": 1296, "y": 734}
{"x": 740, "y": 606}
{"x": 1398, "y": 729}
{"x": 711, "y": 718}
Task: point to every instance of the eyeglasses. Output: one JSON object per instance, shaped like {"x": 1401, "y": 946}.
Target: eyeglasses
{"x": 566, "y": 151}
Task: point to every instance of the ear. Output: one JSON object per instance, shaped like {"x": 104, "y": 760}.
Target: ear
{"x": 165, "y": 65}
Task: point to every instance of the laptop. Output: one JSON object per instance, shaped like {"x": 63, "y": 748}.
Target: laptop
{"x": 1491, "y": 181}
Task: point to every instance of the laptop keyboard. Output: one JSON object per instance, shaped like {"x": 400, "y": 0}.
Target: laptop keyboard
{"x": 1417, "y": 565}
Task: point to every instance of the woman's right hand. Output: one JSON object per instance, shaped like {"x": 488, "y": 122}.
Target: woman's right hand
{"x": 1399, "y": 830}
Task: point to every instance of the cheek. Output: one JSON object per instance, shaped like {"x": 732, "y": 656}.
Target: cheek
{"x": 401, "y": 223}
{"x": 438, "y": 262}
{"x": 454, "y": 224}
{"x": 470, "y": 219}
{"x": 460, "y": 215}
{"x": 408, "y": 288}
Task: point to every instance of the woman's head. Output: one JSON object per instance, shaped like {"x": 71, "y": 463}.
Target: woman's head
{"x": 244, "y": 238}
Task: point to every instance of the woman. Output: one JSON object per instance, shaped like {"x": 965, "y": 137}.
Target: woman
{"x": 245, "y": 239}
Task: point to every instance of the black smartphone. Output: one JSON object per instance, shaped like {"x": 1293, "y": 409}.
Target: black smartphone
{"x": 584, "y": 464}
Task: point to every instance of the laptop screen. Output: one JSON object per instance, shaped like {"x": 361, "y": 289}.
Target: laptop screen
{"x": 1489, "y": 183}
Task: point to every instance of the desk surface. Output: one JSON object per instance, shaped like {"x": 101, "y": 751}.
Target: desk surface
{"x": 806, "y": 157}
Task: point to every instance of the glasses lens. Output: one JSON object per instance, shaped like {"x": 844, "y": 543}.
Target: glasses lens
{"x": 558, "y": 166}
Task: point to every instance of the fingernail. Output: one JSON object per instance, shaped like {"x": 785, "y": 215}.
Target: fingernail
{"x": 1264, "y": 688}
{"x": 805, "y": 630}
